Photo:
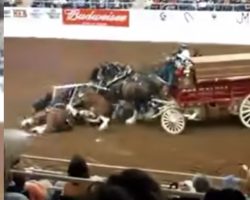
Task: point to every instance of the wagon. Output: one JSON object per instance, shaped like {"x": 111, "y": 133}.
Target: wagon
{"x": 221, "y": 84}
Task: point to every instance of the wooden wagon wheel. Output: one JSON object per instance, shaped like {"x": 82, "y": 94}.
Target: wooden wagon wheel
{"x": 244, "y": 112}
{"x": 173, "y": 122}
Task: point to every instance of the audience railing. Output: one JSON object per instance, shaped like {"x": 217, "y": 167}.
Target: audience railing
{"x": 35, "y": 175}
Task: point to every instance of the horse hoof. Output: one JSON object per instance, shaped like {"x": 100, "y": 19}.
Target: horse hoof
{"x": 34, "y": 131}
{"x": 102, "y": 128}
{"x": 130, "y": 122}
{"x": 24, "y": 124}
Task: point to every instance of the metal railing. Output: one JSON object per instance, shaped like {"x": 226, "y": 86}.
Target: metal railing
{"x": 32, "y": 173}
{"x": 118, "y": 167}
{"x": 36, "y": 175}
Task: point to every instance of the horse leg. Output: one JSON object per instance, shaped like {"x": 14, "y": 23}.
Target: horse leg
{"x": 132, "y": 120}
{"x": 72, "y": 110}
{"x": 39, "y": 129}
{"x": 115, "y": 111}
{"x": 105, "y": 122}
{"x": 27, "y": 122}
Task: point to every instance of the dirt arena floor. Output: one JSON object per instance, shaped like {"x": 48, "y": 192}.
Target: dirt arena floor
{"x": 32, "y": 66}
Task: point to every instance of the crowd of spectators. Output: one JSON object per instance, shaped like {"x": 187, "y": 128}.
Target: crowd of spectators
{"x": 94, "y": 4}
{"x": 200, "y": 5}
{"x": 130, "y": 184}
{"x": 208, "y": 5}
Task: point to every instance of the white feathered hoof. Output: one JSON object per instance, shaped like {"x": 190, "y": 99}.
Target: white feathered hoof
{"x": 26, "y": 123}
{"x": 105, "y": 123}
{"x": 130, "y": 121}
{"x": 38, "y": 129}
{"x": 103, "y": 127}
{"x": 34, "y": 130}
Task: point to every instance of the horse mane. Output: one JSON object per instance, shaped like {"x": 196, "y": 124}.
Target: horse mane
{"x": 94, "y": 73}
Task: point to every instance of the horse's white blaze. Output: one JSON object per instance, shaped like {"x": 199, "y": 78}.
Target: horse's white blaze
{"x": 244, "y": 112}
{"x": 104, "y": 124}
{"x": 132, "y": 120}
{"x": 39, "y": 129}
{"x": 28, "y": 121}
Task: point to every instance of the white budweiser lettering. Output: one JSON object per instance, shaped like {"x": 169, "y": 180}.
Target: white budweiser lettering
{"x": 75, "y": 15}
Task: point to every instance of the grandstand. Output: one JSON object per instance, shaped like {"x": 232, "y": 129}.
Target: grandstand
{"x": 1, "y": 72}
{"x": 190, "y": 5}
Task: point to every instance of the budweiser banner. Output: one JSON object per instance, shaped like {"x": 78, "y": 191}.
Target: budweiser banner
{"x": 99, "y": 17}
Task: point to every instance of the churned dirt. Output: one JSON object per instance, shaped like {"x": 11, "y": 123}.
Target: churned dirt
{"x": 32, "y": 66}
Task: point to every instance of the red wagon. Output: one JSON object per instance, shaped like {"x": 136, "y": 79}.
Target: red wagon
{"x": 220, "y": 84}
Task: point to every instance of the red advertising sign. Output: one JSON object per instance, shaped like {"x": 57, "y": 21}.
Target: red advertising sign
{"x": 96, "y": 17}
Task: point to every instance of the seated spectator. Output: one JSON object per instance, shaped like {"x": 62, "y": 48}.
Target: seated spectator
{"x": 77, "y": 168}
{"x": 201, "y": 183}
{"x": 104, "y": 191}
{"x": 138, "y": 184}
{"x": 232, "y": 194}
{"x": 37, "y": 190}
{"x": 14, "y": 196}
{"x": 231, "y": 182}
{"x": 213, "y": 194}
{"x": 17, "y": 185}
{"x": 225, "y": 194}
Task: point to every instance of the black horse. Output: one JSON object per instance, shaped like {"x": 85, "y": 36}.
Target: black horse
{"x": 108, "y": 71}
{"x": 49, "y": 101}
{"x": 137, "y": 89}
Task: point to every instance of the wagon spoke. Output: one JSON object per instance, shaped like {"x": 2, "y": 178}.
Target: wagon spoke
{"x": 179, "y": 127}
{"x": 244, "y": 112}
{"x": 247, "y": 106}
{"x": 246, "y": 116}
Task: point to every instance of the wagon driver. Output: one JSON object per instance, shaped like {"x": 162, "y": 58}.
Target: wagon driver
{"x": 175, "y": 64}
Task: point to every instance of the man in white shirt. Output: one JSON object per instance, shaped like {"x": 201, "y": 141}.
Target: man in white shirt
{"x": 177, "y": 61}
{"x": 183, "y": 53}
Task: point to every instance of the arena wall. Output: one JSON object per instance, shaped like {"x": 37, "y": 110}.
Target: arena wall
{"x": 129, "y": 25}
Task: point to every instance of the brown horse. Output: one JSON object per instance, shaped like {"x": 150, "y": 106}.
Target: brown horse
{"x": 95, "y": 108}
{"x": 53, "y": 119}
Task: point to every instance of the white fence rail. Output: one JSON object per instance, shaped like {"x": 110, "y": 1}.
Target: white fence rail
{"x": 167, "y": 192}
{"x": 118, "y": 167}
